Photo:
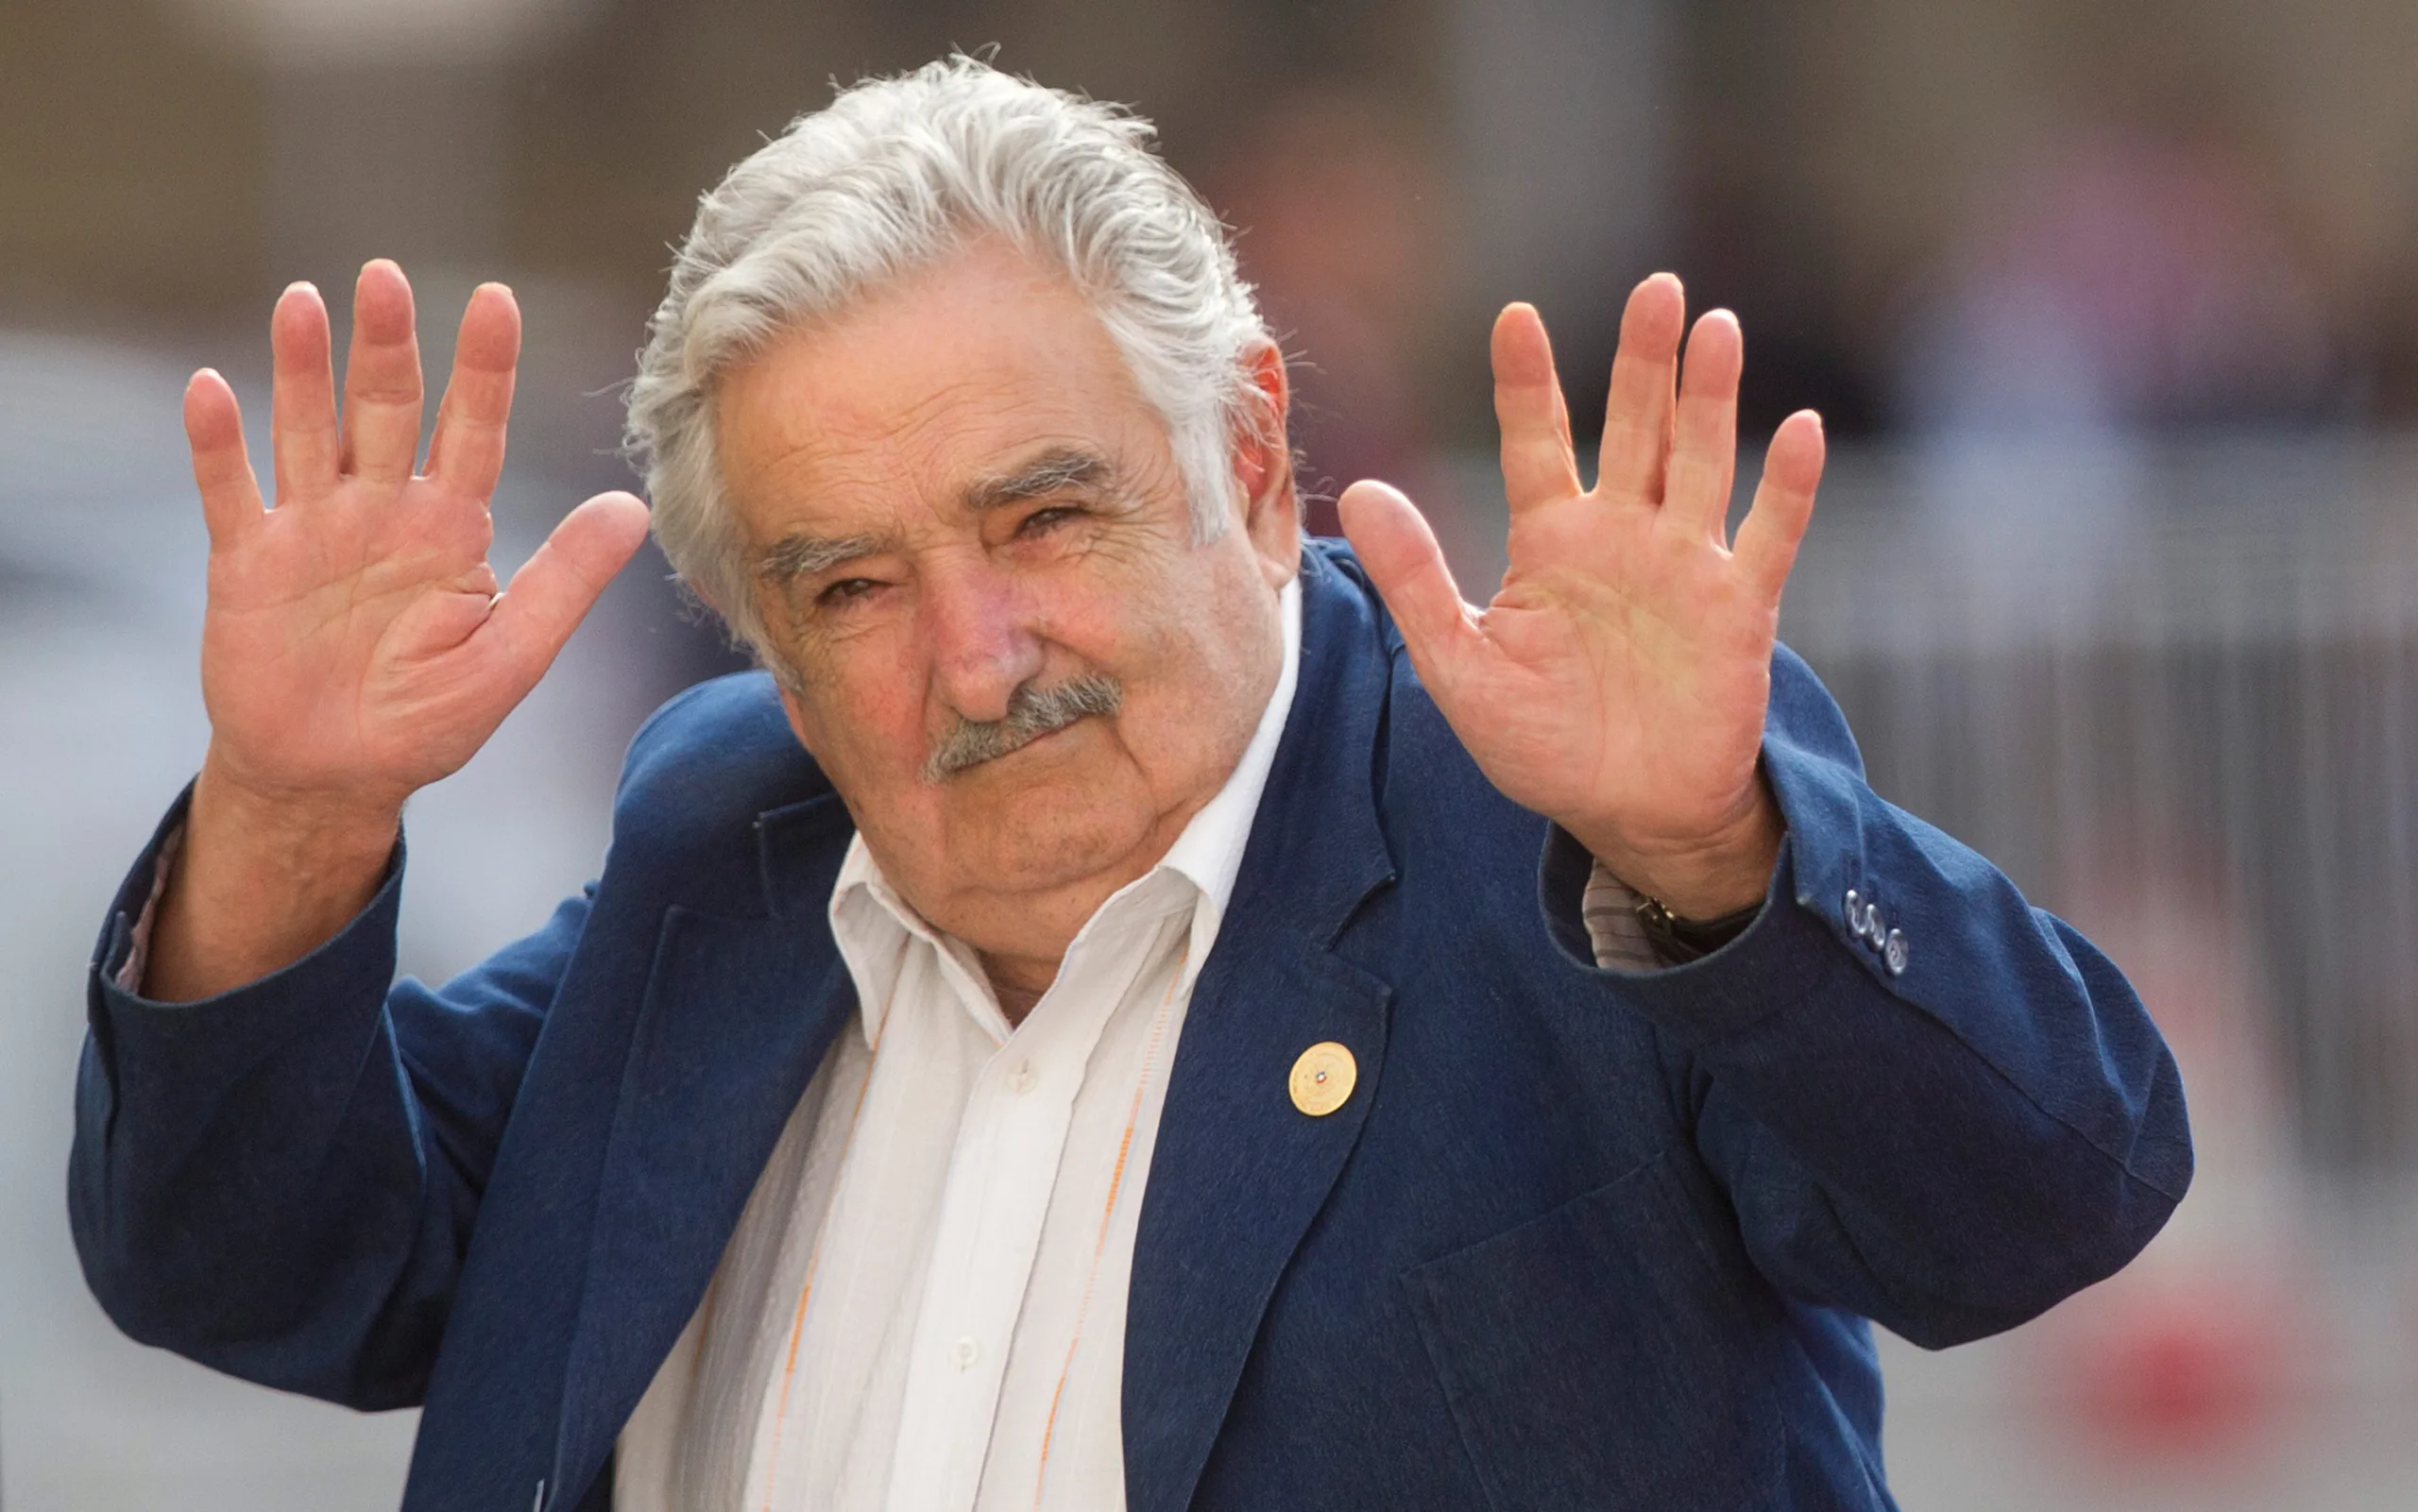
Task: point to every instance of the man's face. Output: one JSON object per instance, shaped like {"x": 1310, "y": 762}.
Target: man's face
{"x": 975, "y": 553}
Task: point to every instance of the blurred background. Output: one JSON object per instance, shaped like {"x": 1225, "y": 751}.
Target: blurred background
{"x": 2112, "y": 312}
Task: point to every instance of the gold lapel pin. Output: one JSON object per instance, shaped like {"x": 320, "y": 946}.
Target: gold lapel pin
{"x": 1323, "y": 1078}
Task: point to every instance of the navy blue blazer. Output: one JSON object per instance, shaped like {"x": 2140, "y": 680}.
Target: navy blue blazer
{"x": 1578, "y": 1239}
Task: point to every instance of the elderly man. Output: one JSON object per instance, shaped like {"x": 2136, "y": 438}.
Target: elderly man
{"x": 1128, "y": 1007}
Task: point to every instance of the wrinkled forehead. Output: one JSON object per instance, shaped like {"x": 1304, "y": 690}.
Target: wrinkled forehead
{"x": 969, "y": 384}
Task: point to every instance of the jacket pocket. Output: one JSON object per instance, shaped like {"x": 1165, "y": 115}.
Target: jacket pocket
{"x": 1601, "y": 1356}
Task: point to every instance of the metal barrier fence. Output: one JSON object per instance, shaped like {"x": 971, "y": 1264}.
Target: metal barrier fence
{"x": 2185, "y": 673}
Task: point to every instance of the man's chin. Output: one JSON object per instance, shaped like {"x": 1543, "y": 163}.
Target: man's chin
{"x": 1035, "y": 822}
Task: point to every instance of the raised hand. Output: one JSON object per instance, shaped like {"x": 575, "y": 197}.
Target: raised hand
{"x": 1617, "y": 682}
{"x": 355, "y": 648}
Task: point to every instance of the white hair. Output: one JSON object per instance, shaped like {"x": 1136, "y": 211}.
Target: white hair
{"x": 897, "y": 174}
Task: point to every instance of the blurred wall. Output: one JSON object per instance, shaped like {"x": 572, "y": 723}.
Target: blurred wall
{"x": 2113, "y": 314}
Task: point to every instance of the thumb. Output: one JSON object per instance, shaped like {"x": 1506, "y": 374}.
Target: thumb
{"x": 1397, "y": 547}
{"x": 557, "y": 586}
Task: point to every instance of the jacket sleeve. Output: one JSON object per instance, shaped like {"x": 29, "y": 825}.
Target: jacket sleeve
{"x": 279, "y": 1182}
{"x": 1947, "y": 1135}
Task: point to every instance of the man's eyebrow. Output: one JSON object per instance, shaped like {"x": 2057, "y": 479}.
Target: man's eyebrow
{"x": 1058, "y": 468}
{"x": 1067, "y": 466}
{"x": 795, "y": 556}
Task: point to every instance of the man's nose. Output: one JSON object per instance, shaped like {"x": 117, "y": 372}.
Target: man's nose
{"x": 982, "y": 644}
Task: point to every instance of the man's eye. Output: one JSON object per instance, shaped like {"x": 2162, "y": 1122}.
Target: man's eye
{"x": 848, "y": 590}
{"x": 1043, "y": 520}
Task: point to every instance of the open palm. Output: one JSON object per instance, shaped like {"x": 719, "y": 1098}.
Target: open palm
{"x": 1618, "y": 680}
{"x": 355, "y": 647}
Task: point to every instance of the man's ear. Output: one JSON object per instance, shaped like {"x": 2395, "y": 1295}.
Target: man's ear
{"x": 1263, "y": 467}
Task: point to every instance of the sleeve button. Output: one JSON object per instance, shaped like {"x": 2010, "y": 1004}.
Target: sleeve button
{"x": 1892, "y": 953}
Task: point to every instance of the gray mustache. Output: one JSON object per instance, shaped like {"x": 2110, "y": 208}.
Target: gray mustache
{"x": 1033, "y": 712}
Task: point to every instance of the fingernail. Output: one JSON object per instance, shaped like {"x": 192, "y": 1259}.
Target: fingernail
{"x": 302, "y": 285}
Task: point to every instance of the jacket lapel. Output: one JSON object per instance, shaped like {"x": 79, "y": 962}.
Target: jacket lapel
{"x": 1239, "y": 1173}
{"x": 737, "y": 1014}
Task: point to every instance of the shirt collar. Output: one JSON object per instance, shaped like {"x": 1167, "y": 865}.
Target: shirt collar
{"x": 873, "y": 924}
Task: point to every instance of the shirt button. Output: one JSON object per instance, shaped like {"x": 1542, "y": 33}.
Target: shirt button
{"x": 965, "y": 1353}
{"x": 1023, "y": 1078}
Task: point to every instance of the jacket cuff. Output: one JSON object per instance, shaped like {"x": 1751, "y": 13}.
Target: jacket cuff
{"x": 131, "y": 1032}
{"x": 1801, "y": 940}
{"x": 1771, "y": 963}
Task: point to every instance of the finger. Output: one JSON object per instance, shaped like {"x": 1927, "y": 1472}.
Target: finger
{"x": 303, "y": 398}
{"x": 1704, "y": 434}
{"x": 230, "y": 496}
{"x": 1399, "y": 551}
{"x": 555, "y": 588}
{"x": 1768, "y": 539}
{"x": 382, "y": 385}
{"x": 1646, "y": 372}
{"x": 468, "y": 450}
{"x": 1538, "y": 467}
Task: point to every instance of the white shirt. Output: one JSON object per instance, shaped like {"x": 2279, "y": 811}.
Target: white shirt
{"x": 923, "y": 1306}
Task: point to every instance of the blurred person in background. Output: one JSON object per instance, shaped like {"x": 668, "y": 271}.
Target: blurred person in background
{"x": 2122, "y": 277}
{"x": 1539, "y": 1049}
{"x": 1341, "y": 215}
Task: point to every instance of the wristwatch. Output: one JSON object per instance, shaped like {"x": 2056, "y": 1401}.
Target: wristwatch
{"x": 1680, "y": 941}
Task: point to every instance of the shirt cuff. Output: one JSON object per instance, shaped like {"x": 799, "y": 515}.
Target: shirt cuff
{"x": 1609, "y": 909}
{"x": 1629, "y": 931}
{"x": 138, "y": 956}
